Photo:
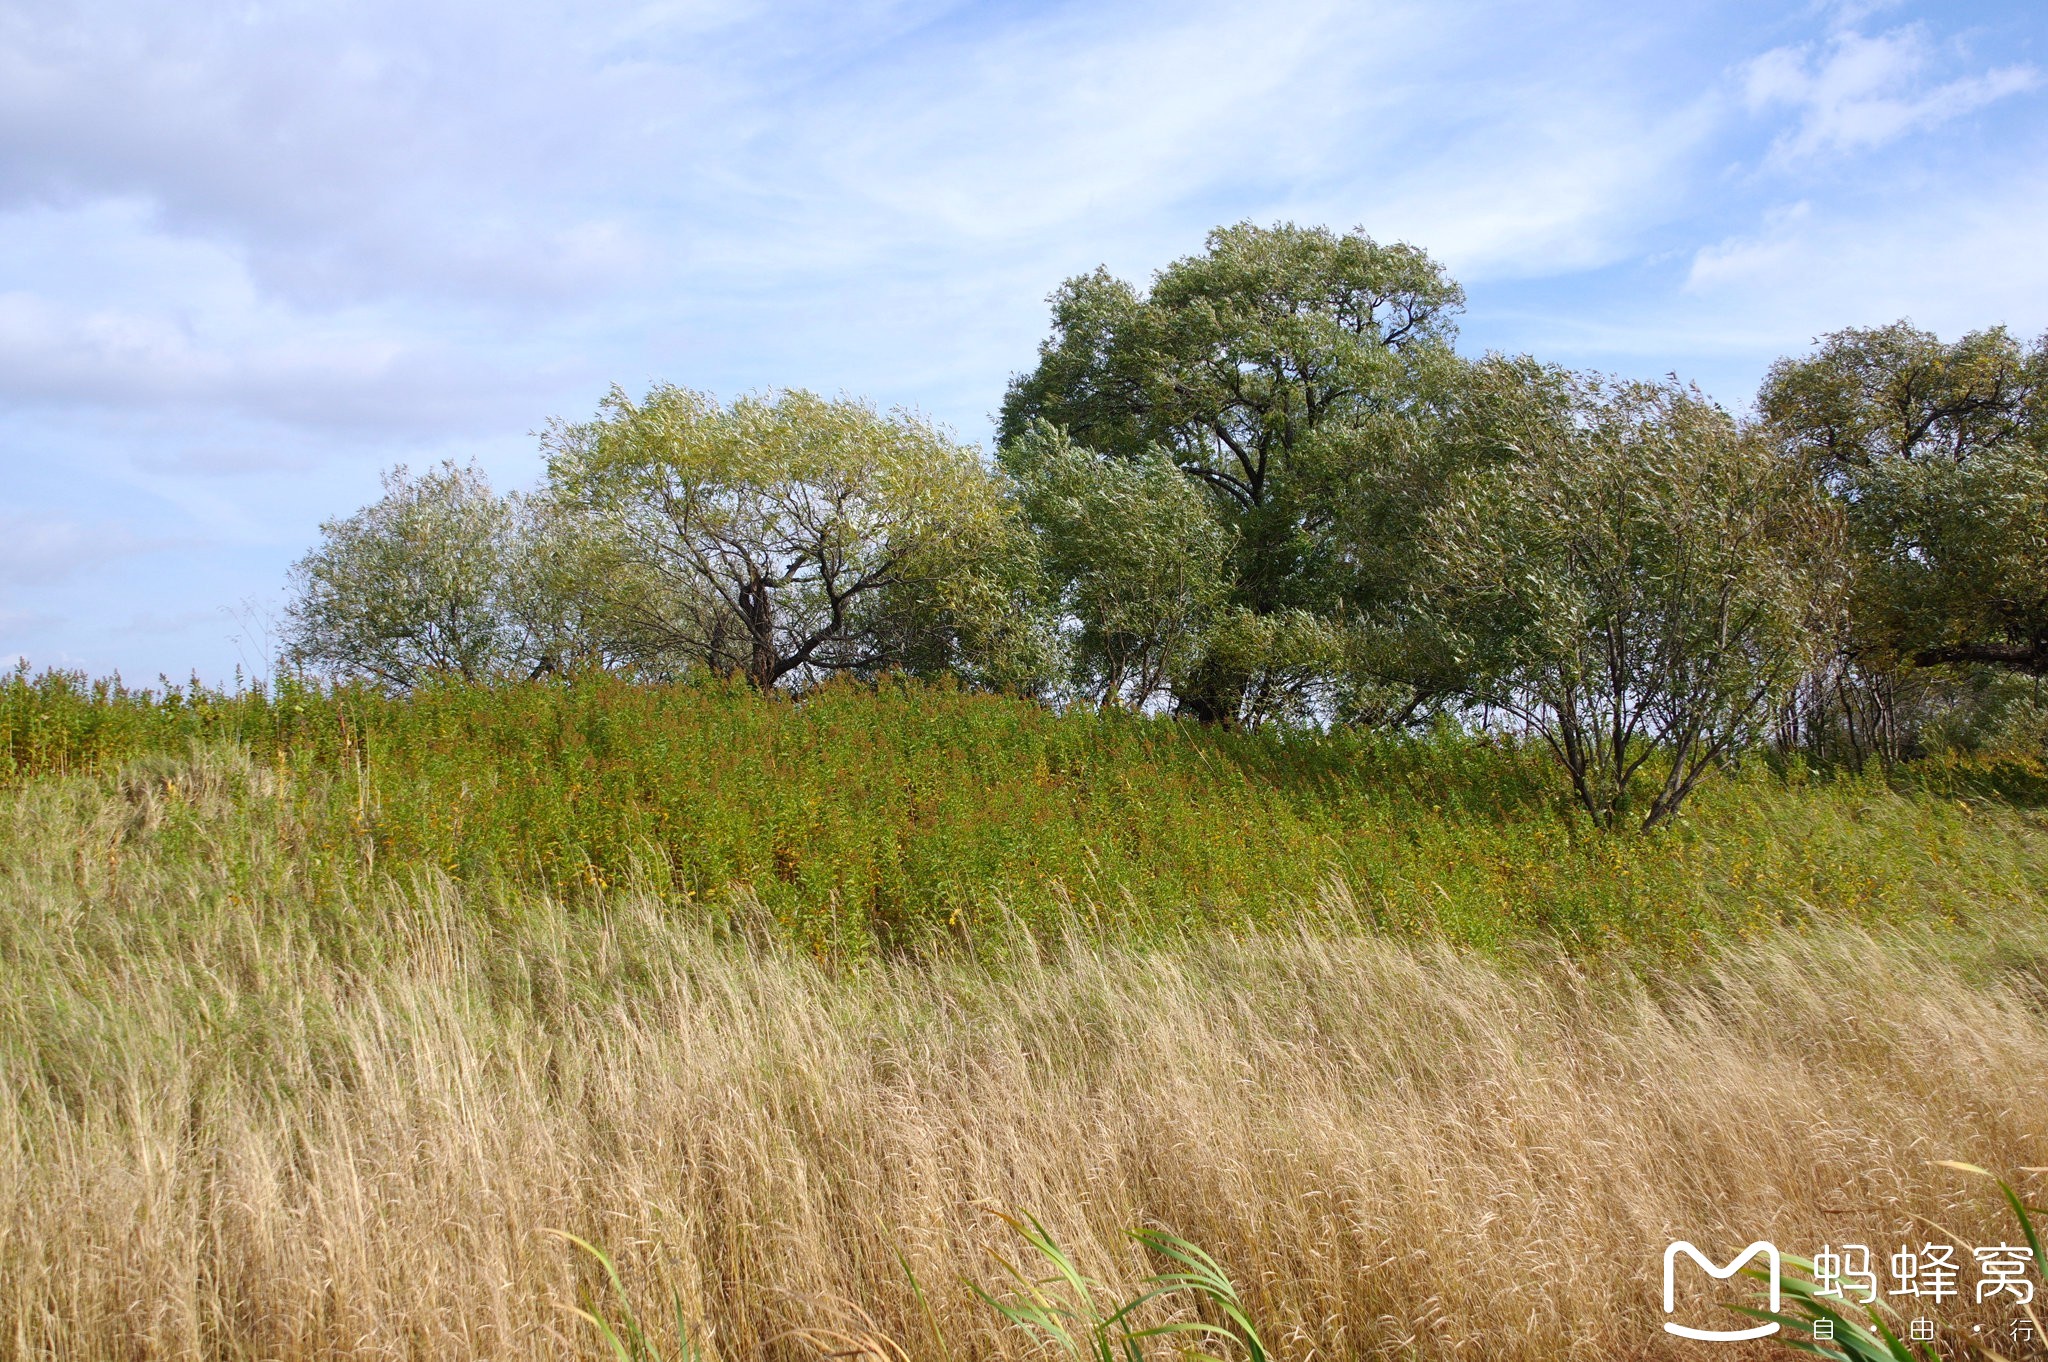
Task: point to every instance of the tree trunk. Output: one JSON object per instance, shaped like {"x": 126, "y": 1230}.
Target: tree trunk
{"x": 758, "y": 606}
{"x": 1212, "y": 695}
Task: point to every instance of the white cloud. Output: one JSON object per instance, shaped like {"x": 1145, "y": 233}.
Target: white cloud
{"x": 38, "y": 549}
{"x": 304, "y": 239}
{"x": 1951, "y": 262}
{"x": 1781, "y": 249}
{"x": 1551, "y": 186}
{"x": 1496, "y": 138}
{"x": 440, "y": 150}
{"x": 365, "y": 218}
{"x": 1854, "y": 92}
{"x": 329, "y": 372}
{"x": 101, "y": 310}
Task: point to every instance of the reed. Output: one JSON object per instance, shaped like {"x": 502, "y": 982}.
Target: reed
{"x": 236, "y": 1126}
{"x": 1423, "y": 1071}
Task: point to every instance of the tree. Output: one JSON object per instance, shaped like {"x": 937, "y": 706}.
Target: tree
{"x": 1957, "y": 566}
{"x": 1134, "y": 559}
{"x": 557, "y": 556}
{"x": 1938, "y": 454}
{"x": 1271, "y": 369}
{"x": 1384, "y": 483}
{"x": 416, "y": 584}
{"x": 785, "y": 537}
{"x": 1632, "y": 590}
{"x": 1871, "y": 396}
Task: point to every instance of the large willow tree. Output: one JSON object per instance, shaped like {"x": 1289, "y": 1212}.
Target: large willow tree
{"x": 1295, "y": 376}
{"x": 421, "y": 583}
{"x": 1938, "y": 453}
{"x": 788, "y": 537}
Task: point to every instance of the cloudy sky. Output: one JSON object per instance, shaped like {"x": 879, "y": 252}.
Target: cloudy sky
{"x": 252, "y": 254}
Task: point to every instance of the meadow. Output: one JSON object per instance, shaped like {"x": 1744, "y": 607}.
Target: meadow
{"x": 320, "y": 1010}
{"x": 905, "y": 817}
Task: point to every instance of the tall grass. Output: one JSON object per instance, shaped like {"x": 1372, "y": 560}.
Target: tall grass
{"x": 248, "y": 1110}
{"x": 325, "y": 1016}
{"x": 1821, "y": 1320}
{"x": 904, "y": 817}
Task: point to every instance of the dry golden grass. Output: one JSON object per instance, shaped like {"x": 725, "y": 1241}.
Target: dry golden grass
{"x": 228, "y": 1130}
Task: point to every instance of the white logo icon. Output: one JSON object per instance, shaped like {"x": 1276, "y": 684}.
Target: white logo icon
{"x": 1770, "y": 1252}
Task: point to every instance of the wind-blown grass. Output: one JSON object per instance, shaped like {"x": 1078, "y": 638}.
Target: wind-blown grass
{"x": 911, "y": 816}
{"x": 314, "y": 1035}
{"x": 239, "y": 1122}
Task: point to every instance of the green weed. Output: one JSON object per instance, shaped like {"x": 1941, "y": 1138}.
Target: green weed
{"x": 909, "y": 817}
{"x": 627, "y": 1340}
{"x": 1068, "y": 1308}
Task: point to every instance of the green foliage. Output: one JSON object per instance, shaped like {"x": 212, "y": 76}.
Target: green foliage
{"x": 414, "y": 585}
{"x": 627, "y": 1340}
{"x": 1853, "y": 1340}
{"x": 1939, "y": 455}
{"x": 1958, "y": 565}
{"x": 1268, "y": 488}
{"x": 785, "y": 538}
{"x": 556, "y": 594}
{"x": 1134, "y": 558}
{"x": 1384, "y": 475}
{"x": 1869, "y": 396}
{"x": 1238, "y": 355}
{"x": 1285, "y": 665}
{"x": 1067, "y": 1308}
{"x": 61, "y": 723}
{"x": 1284, "y": 371}
{"x": 1634, "y": 590}
{"x": 911, "y": 816}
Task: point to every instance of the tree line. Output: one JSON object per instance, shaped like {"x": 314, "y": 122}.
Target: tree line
{"x": 1268, "y": 490}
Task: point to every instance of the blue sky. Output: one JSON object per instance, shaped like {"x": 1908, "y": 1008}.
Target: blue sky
{"x": 252, "y": 254}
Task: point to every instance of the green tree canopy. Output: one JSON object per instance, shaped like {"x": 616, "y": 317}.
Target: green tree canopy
{"x": 1134, "y": 559}
{"x": 784, "y": 537}
{"x": 1938, "y": 452}
{"x": 1269, "y": 369}
{"x": 418, "y": 583}
{"x": 1633, "y": 590}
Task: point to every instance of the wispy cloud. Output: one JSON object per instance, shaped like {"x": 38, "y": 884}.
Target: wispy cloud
{"x": 1812, "y": 267}
{"x": 1853, "y": 91}
{"x": 247, "y": 253}
{"x": 344, "y": 150}
{"x": 39, "y": 549}
{"x": 324, "y": 371}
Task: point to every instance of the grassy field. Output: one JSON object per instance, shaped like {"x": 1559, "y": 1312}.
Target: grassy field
{"x": 318, "y": 1012}
{"x": 860, "y": 821}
